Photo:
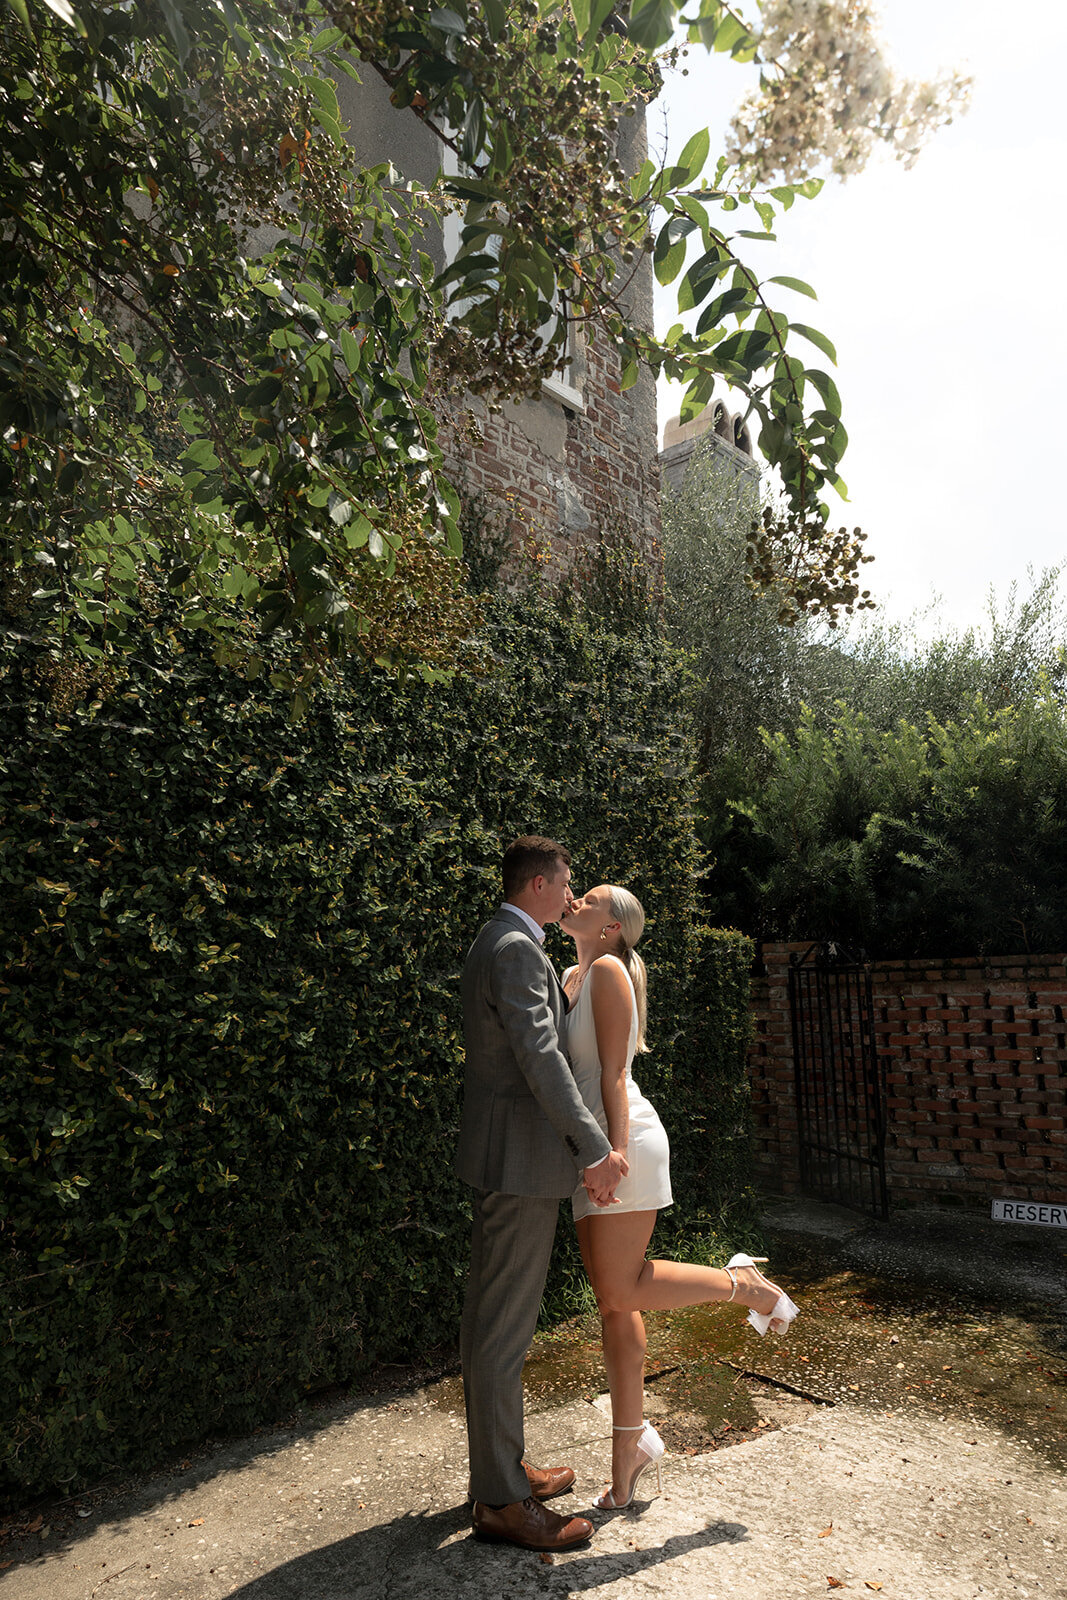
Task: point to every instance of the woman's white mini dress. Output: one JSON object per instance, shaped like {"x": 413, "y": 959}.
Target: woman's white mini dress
{"x": 647, "y": 1186}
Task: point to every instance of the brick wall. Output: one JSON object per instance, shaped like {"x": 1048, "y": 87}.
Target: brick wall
{"x": 552, "y": 471}
{"x": 975, "y": 1060}
{"x": 556, "y": 472}
{"x": 554, "y": 475}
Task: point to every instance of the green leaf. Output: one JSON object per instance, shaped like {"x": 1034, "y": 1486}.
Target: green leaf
{"x": 464, "y": 188}
{"x": 64, "y": 11}
{"x": 816, "y": 338}
{"x": 201, "y": 453}
{"x": 734, "y": 37}
{"x": 693, "y": 208}
{"x": 496, "y": 17}
{"x": 795, "y": 283}
{"x": 326, "y": 95}
{"x": 725, "y": 304}
{"x": 601, "y": 11}
{"x": 473, "y": 135}
{"x": 358, "y": 531}
{"x": 745, "y": 348}
{"x": 826, "y": 387}
{"x": 21, "y": 11}
{"x": 651, "y": 23}
{"x": 329, "y": 124}
{"x": 261, "y": 394}
{"x": 668, "y": 258}
{"x": 446, "y": 21}
{"x": 693, "y": 157}
{"x": 703, "y": 275}
{"x": 350, "y": 350}
{"x": 175, "y": 25}
{"x": 327, "y": 38}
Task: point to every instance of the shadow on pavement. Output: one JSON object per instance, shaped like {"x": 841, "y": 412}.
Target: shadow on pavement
{"x": 422, "y": 1551}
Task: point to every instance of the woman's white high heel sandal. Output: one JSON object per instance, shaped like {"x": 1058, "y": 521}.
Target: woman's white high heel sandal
{"x": 652, "y": 1448}
{"x": 783, "y": 1310}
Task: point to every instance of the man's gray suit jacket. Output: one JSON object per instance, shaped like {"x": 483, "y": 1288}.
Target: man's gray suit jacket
{"x": 525, "y": 1128}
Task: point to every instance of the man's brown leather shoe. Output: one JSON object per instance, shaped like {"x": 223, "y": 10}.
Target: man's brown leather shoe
{"x": 548, "y": 1481}
{"x": 530, "y": 1525}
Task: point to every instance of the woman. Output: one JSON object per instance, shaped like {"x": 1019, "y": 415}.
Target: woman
{"x": 605, "y": 1027}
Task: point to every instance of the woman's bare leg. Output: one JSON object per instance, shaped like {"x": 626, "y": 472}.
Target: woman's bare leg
{"x": 623, "y": 1335}
{"x": 624, "y": 1281}
{"x": 625, "y": 1284}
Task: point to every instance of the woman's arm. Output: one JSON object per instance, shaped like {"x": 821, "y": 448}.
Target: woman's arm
{"x": 612, "y": 1017}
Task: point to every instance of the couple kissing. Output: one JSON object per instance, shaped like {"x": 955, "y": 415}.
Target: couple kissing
{"x": 551, "y": 1109}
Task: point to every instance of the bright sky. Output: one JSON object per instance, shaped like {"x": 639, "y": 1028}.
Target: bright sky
{"x": 942, "y": 289}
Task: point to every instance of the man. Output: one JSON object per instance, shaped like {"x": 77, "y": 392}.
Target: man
{"x": 526, "y": 1138}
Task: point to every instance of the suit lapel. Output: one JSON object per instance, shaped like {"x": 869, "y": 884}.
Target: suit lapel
{"x": 517, "y": 922}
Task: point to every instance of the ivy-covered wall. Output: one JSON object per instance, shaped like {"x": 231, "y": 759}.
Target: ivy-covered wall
{"x": 229, "y": 954}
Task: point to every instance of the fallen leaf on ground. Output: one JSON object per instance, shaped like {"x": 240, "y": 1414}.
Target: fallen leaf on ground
{"x": 834, "y": 1583}
{"x": 197, "y": 1522}
{"x": 872, "y": 1585}
{"x": 547, "y": 1557}
{"x": 826, "y": 1531}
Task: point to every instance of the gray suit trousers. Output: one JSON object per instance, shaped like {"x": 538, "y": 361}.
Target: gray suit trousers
{"x": 511, "y": 1244}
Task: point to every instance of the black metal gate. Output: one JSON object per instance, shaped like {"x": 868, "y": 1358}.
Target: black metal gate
{"x": 840, "y": 1085}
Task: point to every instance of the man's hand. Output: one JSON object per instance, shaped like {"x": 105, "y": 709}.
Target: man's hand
{"x": 602, "y": 1180}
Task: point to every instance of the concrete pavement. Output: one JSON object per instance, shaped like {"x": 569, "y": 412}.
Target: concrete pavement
{"x": 918, "y": 1483}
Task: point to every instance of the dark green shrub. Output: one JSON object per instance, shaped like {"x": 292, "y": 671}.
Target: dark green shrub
{"x": 229, "y": 954}
{"x": 938, "y": 840}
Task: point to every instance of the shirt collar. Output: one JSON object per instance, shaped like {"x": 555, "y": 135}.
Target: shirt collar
{"x": 534, "y": 927}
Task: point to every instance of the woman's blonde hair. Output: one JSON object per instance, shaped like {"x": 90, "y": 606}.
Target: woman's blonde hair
{"x": 628, "y": 911}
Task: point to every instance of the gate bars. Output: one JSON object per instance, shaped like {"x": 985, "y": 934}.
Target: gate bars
{"x": 840, "y": 1089}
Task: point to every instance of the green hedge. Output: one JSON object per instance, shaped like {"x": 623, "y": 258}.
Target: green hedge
{"x": 228, "y": 1000}
{"x": 909, "y": 841}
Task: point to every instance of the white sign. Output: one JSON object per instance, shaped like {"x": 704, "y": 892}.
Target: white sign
{"x": 1030, "y": 1211}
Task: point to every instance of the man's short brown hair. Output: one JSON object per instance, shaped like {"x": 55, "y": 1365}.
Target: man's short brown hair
{"x": 532, "y": 856}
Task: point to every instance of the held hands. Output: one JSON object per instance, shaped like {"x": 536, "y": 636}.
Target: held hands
{"x": 602, "y": 1180}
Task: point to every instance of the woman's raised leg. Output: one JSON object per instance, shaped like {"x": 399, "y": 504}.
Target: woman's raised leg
{"x": 624, "y": 1281}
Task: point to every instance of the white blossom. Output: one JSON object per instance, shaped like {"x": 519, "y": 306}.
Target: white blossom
{"x": 827, "y": 95}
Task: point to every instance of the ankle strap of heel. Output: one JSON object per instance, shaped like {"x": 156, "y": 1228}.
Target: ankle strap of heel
{"x": 640, "y": 1428}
